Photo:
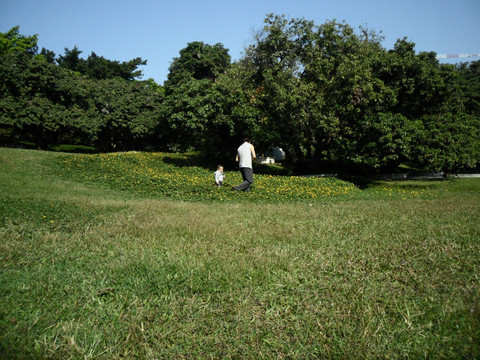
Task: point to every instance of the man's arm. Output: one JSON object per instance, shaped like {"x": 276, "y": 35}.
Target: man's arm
{"x": 236, "y": 158}
{"x": 252, "y": 149}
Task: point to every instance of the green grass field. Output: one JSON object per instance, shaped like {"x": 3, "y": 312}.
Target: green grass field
{"x": 137, "y": 255}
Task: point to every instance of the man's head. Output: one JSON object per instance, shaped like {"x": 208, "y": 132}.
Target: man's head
{"x": 246, "y": 140}
{"x": 220, "y": 168}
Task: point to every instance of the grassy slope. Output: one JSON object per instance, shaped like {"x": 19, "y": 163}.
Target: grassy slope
{"x": 90, "y": 272}
{"x": 178, "y": 176}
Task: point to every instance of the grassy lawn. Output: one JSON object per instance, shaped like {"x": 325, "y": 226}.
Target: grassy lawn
{"x": 139, "y": 256}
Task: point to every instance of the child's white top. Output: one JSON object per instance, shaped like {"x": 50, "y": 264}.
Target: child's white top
{"x": 219, "y": 176}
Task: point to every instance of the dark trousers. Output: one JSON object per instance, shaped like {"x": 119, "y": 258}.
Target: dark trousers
{"x": 247, "y": 175}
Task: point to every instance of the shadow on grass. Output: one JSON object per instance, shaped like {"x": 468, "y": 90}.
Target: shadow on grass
{"x": 365, "y": 182}
{"x": 190, "y": 160}
{"x": 362, "y": 182}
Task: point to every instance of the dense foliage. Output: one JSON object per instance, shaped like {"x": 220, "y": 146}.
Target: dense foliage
{"x": 324, "y": 93}
{"x": 47, "y": 104}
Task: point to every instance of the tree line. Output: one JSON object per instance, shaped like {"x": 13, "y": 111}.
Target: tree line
{"x": 325, "y": 93}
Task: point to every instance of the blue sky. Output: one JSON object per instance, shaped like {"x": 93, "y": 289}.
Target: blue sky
{"x": 157, "y": 30}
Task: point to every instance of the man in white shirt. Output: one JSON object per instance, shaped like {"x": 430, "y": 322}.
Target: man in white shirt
{"x": 245, "y": 157}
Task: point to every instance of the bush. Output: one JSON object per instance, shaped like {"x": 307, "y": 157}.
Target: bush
{"x": 74, "y": 149}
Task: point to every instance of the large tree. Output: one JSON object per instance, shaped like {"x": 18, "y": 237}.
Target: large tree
{"x": 316, "y": 81}
{"x": 193, "y": 104}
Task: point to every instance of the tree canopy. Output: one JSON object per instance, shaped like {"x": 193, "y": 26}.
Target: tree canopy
{"x": 13, "y": 41}
{"x": 198, "y": 61}
{"x": 97, "y": 67}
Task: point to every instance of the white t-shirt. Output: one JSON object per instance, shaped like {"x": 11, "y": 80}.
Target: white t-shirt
{"x": 219, "y": 176}
{"x": 245, "y": 155}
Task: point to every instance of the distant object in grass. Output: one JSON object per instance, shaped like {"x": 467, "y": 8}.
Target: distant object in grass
{"x": 265, "y": 160}
{"x": 272, "y": 156}
{"x": 276, "y": 153}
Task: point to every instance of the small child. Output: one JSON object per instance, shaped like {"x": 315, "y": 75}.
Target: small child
{"x": 219, "y": 176}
